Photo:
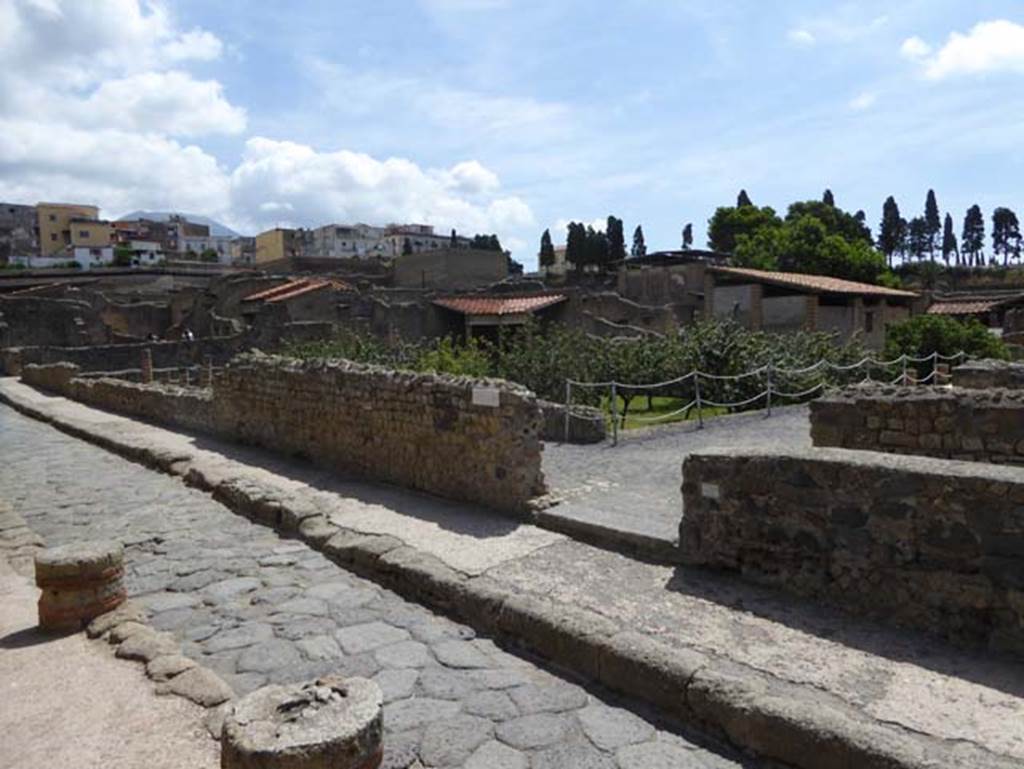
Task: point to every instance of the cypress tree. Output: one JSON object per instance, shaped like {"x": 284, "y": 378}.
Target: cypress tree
{"x": 687, "y": 236}
{"x": 931, "y": 218}
{"x": 828, "y": 199}
{"x": 743, "y": 199}
{"x": 1005, "y": 235}
{"x": 949, "y": 246}
{"x": 639, "y": 246}
{"x": 972, "y": 239}
{"x": 616, "y": 240}
{"x": 889, "y": 231}
{"x": 547, "y": 250}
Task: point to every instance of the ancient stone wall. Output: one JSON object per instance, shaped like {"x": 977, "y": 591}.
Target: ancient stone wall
{"x": 471, "y": 440}
{"x": 586, "y": 424}
{"x": 930, "y": 543}
{"x": 988, "y": 373}
{"x": 973, "y": 425}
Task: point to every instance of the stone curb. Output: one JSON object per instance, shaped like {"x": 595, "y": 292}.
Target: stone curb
{"x": 125, "y": 628}
{"x": 775, "y": 719}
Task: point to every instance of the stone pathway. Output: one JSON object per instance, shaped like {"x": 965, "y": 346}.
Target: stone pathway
{"x": 632, "y": 489}
{"x": 257, "y": 608}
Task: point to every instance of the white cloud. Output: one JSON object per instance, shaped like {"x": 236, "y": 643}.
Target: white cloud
{"x": 470, "y": 177}
{"x": 862, "y": 101}
{"x": 280, "y": 177}
{"x": 990, "y": 46}
{"x": 915, "y": 48}
{"x": 801, "y": 36}
{"x": 198, "y": 45}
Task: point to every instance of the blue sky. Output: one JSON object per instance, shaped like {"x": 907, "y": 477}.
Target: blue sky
{"x": 510, "y": 115}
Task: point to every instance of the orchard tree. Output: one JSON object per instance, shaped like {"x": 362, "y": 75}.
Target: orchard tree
{"x": 972, "y": 239}
{"x": 949, "y": 245}
{"x": 547, "y": 250}
{"x": 639, "y": 246}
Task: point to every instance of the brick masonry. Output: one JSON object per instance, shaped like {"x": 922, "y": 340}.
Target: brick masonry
{"x": 972, "y": 425}
{"x": 929, "y": 543}
{"x": 987, "y": 373}
{"x": 476, "y": 441}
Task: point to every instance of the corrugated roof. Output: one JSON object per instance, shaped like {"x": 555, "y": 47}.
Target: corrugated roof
{"x": 498, "y": 305}
{"x": 294, "y": 288}
{"x": 819, "y": 284}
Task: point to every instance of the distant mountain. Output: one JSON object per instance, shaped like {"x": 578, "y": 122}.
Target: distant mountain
{"x": 216, "y": 228}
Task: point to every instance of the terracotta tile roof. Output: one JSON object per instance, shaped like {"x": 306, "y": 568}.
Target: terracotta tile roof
{"x": 965, "y": 307}
{"x": 817, "y": 284}
{"x": 294, "y": 288}
{"x": 498, "y": 305}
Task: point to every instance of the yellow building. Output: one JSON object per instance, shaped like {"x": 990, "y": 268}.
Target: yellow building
{"x": 91, "y": 233}
{"x": 274, "y": 245}
{"x": 55, "y": 224}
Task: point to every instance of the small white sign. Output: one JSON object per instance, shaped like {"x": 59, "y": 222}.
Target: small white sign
{"x": 487, "y": 396}
{"x": 709, "y": 490}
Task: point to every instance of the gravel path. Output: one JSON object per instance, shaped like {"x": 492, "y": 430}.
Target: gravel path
{"x": 258, "y": 608}
{"x": 634, "y": 487}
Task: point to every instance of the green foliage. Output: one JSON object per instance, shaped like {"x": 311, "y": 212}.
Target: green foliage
{"x": 469, "y": 359}
{"x": 209, "y": 255}
{"x": 922, "y": 335}
{"x": 547, "y": 250}
{"x": 123, "y": 256}
{"x": 639, "y": 246}
{"x": 616, "y": 239}
{"x": 1006, "y": 239}
{"x": 486, "y": 243}
{"x": 687, "y": 236}
{"x": 949, "y": 244}
{"x": 890, "y": 232}
{"x": 729, "y": 223}
{"x": 406, "y": 247}
{"x": 835, "y": 220}
{"x": 972, "y": 240}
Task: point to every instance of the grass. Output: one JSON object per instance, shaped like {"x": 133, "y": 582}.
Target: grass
{"x": 644, "y": 414}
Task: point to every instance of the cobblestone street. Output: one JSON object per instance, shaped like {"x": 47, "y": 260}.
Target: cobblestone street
{"x": 257, "y": 608}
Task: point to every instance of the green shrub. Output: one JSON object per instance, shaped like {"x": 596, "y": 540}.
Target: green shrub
{"x": 922, "y": 335}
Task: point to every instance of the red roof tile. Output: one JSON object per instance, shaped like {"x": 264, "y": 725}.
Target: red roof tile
{"x": 498, "y": 305}
{"x": 964, "y": 307}
{"x": 294, "y": 288}
{"x": 818, "y": 284}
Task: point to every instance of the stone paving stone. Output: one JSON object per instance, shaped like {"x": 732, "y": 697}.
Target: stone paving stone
{"x": 258, "y": 609}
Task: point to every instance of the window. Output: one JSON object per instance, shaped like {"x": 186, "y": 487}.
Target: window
{"x": 869, "y": 321}
{"x": 53, "y": 217}
{"x": 83, "y": 233}
{"x": 53, "y": 237}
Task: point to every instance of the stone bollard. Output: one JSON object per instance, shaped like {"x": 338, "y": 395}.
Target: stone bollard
{"x": 333, "y": 723}
{"x": 147, "y": 366}
{"x": 206, "y": 372}
{"x": 79, "y": 582}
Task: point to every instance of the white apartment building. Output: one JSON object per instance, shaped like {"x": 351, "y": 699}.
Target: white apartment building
{"x": 347, "y": 241}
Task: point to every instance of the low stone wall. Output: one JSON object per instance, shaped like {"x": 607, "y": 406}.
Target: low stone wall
{"x": 988, "y": 373}
{"x": 586, "y": 424}
{"x": 470, "y": 440}
{"x": 971, "y": 425}
{"x": 930, "y": 543}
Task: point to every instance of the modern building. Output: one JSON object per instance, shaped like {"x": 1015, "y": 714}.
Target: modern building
{"x": 243, "y": 250}
{"x": 19, "y": 231}
{"x": 275, "y": 245}
{"x": 347, "y": 241}
{"x": 419, "y": 237}
{"x": 55, "y": 224}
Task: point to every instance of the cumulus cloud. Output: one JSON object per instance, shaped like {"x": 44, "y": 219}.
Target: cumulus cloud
{"x": 470, "y": 177}
{"x": 862, "y": 101}
{"x": 800, "y": 36}
{"x": 306, "y": 186}
{"x": 846, "y": 26}
{"x": 989, "y": 46}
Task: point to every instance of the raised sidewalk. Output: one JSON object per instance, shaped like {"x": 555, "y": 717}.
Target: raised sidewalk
{"x": 784, "y": 679}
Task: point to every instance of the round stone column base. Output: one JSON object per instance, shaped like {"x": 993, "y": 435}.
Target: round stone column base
{"x": 79, "y": 582}
{"x": 332, "y": 723}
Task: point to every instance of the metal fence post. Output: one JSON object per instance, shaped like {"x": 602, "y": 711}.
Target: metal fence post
{"x": 934, "y": 378}
{"x": 615, "y": 416}
{"x": 769, "y": 390}
{"x": 696, "y": 389}
{"x": 903, "y": 375}
{"x": 568, "y": 405}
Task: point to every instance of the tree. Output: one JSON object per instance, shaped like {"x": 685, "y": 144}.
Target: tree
{"x": 972, "y": 239}
{"x": 687, "y": 236}
{"x": 406, "y": 247}
{"x": 743, "y": 199}
{"x": 729, "y": 223}
{"x": 575, "y": 244}
{"x": 596, "y": 249}
{"x": 922, "y": 335}
{"x": 547, "y": 250}
{"x": 209, "y": 255}
{"x": 486, "y": 243}
{"x": 828, "y": 198}
{"x": 616, "y": 240}
{"x": 933, "y": 223}
{"x": 123, "y": 256}
{"x": 639, "y": 246}
{"x": 918, "y": 238}
{"x": 889, "y": 231}
{"x": 836, "y": 220}
{"x": 949, "y": 246}
{"x": 454, "y": 242}
{"x": 1005, "y": 235}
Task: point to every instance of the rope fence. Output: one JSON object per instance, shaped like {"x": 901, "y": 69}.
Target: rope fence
{"x": 718, "y": 387}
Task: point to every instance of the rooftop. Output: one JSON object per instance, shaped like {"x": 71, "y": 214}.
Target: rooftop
{"x": 296, "y": 288}
{"x": 974, "y": 306}
{"x": 498, "y": 305}
{"x": 816, "y": 284}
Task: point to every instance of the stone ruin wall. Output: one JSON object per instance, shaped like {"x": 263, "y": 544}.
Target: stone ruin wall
{"x": 971, "y": 425}
{"x": 928, "y": 543}
{"x": 420, "y": 431}
{"x": 989, "y": 373}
